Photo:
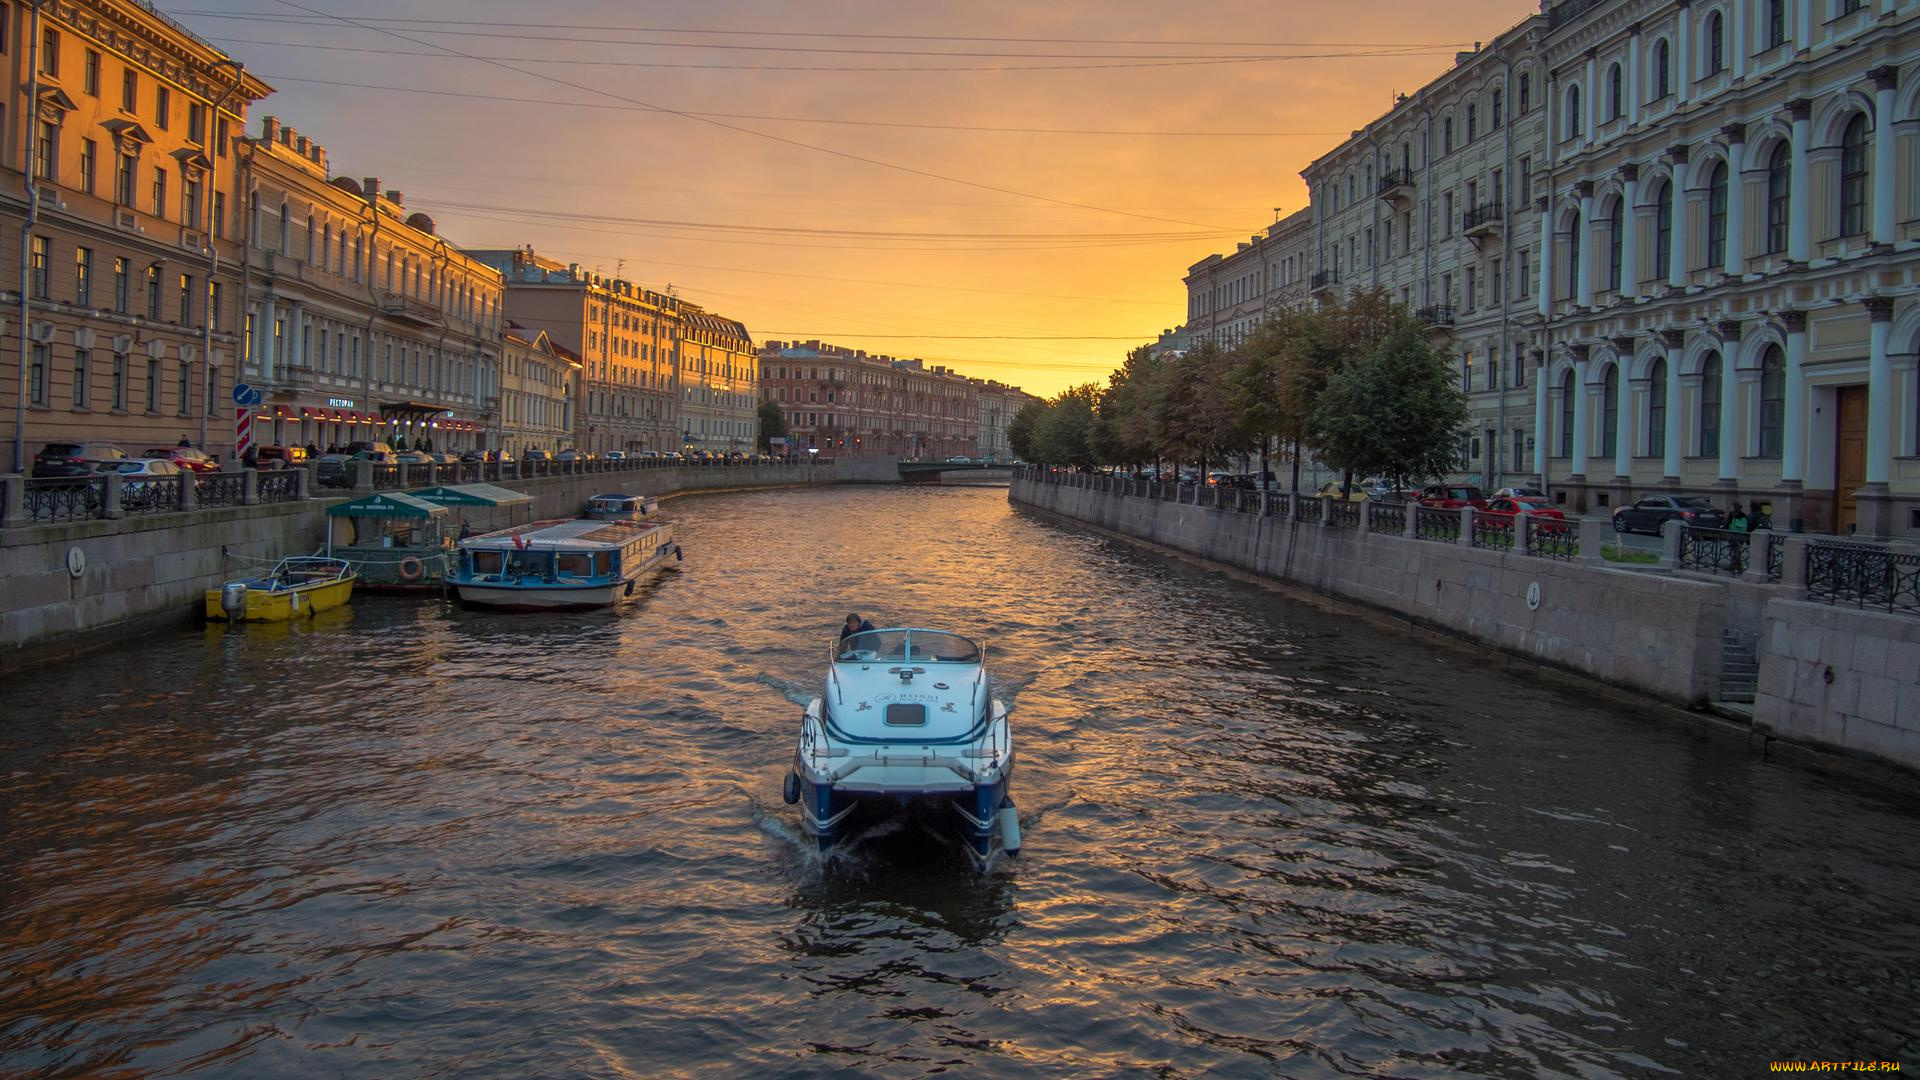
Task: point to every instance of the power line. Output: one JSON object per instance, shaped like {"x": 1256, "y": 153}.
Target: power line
{"x": 803, "y": 119}
{"x": 729, "y": 126}
{"x": 971, "y": 337}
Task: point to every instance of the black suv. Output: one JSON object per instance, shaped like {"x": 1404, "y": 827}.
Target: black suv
{"x": 73, "y": 458}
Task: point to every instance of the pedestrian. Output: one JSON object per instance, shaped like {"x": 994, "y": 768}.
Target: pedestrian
{"x": 466, "y": 529}
{"x": 312, "y": 450}
{"x": 251, "y": 458}
{"x": 1737, "y": 521}
{"x": 184, "y": 441}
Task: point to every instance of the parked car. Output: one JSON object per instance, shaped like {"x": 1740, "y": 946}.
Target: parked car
{"x": 1453, "y": 496}
{"x": 1532, "y": 507}
{"x": 377, "y": 447}
{"x": 616, "y": 455}
{"x": 73, "y": 458}
{"x": 279, "y": 457}
{"x": 535, "y": 455}
{"x": 1653, "y": 511}
{"x": 414, "y": 457}
{"x": 574, "y": 455}
{"x": 1332, "y": 487}
{"x": 137, "y": 489}
{"x": 184, "y": 456}
{"x": 1519, "y": 493}
{"x": 958, "y": 460}
{"x": 332, "y": 470}
{"x": 671, "y": 455}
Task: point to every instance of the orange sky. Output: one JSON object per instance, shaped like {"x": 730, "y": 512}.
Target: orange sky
{"x": 600, "y": 184}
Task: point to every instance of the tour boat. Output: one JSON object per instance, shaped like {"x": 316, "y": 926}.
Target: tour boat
{"x": 620, "y": 507}
{"x": 908, "y": 716}
{"x": 572, "y": 565}
{"x": 295, "y": 588}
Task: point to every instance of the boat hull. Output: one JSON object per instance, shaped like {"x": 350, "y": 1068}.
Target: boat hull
{"x": 285, "y": 605}
{"x": 829, "y": 812}
{"x": 542, "y": 596}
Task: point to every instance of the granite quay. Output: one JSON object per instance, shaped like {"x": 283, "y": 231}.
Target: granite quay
{"x": 83, "y": 564}
{"x": 1808, "y": 639}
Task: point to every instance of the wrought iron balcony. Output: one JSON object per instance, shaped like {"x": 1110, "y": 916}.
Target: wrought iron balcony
{"x": 1396, "y": 186}
{"x": 1324, "y": 281}
{"x": 1435, "y": 315}
{"x": 1484, "y": 220}
{"x": 398, "y": 306}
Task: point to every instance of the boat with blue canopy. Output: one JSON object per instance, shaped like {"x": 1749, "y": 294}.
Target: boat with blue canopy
{"x": 569, "y": 565}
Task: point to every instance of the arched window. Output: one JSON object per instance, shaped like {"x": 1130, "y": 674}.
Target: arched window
{"x": 1573, "y": 257}
{"x": 1663, "y": 230}
{"x": 1662, "y": 69}
{"x": 1853, "y": 177}
{"x": 1494, "y": 118}
{"x": 1406, "y": 157}
{"x": 1779, "y": 197}
{"x": 1569, "y": 394}
{"x": 1710, "y": 406}
{"x": 1773, "y": 400}
{"x": 1657, "y": 410}
{"x": 1717, "y": 215}
{"x": 1526, "y": 92}
{"x": 1716, "y": 43}
{"x": 1613, "y": 93}
{"x": 1446, "y": 135}
{"x": 1473, "y": 122}
{"x": 1776, "y": 23}
{"x": 1574, "y": 126}
{"x": 1610, "y": 412}
{"x": 1616, "y": 238}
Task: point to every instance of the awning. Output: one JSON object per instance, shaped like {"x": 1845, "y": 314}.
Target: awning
{"x": 388, "y": 505}
{"x": 472, "y": 495}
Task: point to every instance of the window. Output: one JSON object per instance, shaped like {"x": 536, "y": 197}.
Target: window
{"x": 1716, "y": 43}
{"x": 1473, "y": 122}
{"x": 186, "y": 299}
{"x": 1498, "y": 99}
{"x": 153, "y": 291}
{"x": 1779, "y": 197}
{"x": 123, "y": 180}
{"x": 46, "y": 150}
{"x": 1776, "y": 23}
{"x": 1569, "y": 394}
{"x": 120, "y": 273}
{"x": 50, "y": 52}
{"x": 1446, "y": 135}
{"x": 37, "y": 375}
{"x": 1657, "y": 410}
{"x": 1446, "y": 213}
{"x": 1496, "y": 284}
{"x": 184, "y": 387}
{"x": 1616, "y": 238}
{"x": 1573, "y": 258}
{"x": 1710, "y": 406}
{"x": 119, "y": 382}
{"x": 1614, "y": 96}
{"x": 1519, "y": 372}
{"x": 189, "y": 201}
{"x": 129, "y": 90}
{"x": 38, "y": 266}
{"x": 153, "y": 385}
{"x": 1524, "y": 193}
{"x": 197, "y": 123}
{"x": 160, "y": 192}
{"x": 220, "y": 214}
{"x": 91, "y": 75}
{"x": 83, "y": 277}
{"x": 1662, "y": 232}
{"x": 1717, "y": 215}
{"x": 1848, "y": 7}
{"x": 82, "y": 376}
{"x": 89, "y": 164}
{"x": 162, "y": 107}
{"x": 1573, "y": 112}
{"x": 219, "y": 137}
{"x": 1773, "y": 400}
{"x": 213, "y": 305}
{"x": 1610, "y": 412}
{"x": 1526, "y": 91}
{"x": 1853, "y": 177}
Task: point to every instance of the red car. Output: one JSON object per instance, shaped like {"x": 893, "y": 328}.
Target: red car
{"x": 1453, "y": 496}
{"x": 184, "y": 456}
{"x": 1535, "y": 507}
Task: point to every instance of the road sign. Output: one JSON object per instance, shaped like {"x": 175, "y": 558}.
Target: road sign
{"x": 242, "y": 429}
{"x": 241, "y": 391}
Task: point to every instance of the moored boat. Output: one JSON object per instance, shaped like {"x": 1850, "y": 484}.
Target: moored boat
{"x": 907, "y": 716}
{"x": 617, "y": 507}
{"x": 570, "y": 565}
{"x": 295, "y": 588}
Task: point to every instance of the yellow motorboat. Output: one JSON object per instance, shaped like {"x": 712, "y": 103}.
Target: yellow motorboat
{"x": 295, "y": 589}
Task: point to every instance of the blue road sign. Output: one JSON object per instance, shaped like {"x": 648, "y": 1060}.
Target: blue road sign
{"x": 245, "y": 395}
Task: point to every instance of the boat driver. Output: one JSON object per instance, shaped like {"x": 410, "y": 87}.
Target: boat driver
{"x": 855, "y": 625}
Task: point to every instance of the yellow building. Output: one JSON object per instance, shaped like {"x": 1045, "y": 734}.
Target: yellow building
{"x": 537, "y": 387}
{"x": 119, "y": 128}
{"x": 718, "y": 377}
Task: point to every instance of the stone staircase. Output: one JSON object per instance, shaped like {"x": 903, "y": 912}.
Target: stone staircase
{"x": 1739, "y": 670}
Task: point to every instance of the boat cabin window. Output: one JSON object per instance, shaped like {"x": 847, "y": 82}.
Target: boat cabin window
{"x": 907, "y": 715}
{"x": 529, "y": 563}
{"x": 603, "y": 564}
{"x": 487, "y": 562}
{"x": 576, "y": 564}
{"x": 916, "y": 645}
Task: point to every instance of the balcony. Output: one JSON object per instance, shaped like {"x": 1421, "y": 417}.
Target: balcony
{"x": 1396, "y": 187}
{"x": 1436, "y": 316}
{"x": 1484, "y": 221}
{"x": 1323, "y": 281}
{"x": 296, "y": 377}
{"x": 406, "y": 308}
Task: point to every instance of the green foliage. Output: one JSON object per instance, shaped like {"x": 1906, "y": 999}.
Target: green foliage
{"x": 1064, "y": 433}
{"x": 1020, "y": 430}
{"x": 1397, "y": 412}
{"x": 773, "y": 423}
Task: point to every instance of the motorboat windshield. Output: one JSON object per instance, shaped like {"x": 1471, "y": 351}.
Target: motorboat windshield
{"x": 887, "y": 646}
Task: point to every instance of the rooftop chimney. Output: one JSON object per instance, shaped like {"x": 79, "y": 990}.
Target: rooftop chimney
{"x": 270, "y": 128}
{"x": 304, "y": 147}
{"x": 286, "y": 136}
{"x": 397, "y": 198}
{"x": 370, "y": 186}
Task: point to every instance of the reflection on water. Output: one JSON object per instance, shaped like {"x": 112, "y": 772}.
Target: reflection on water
{"x": 406, "y": 839}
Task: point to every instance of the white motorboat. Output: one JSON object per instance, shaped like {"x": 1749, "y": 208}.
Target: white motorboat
{"x": 907, "y": 716}
{"x": 617, "y": 507}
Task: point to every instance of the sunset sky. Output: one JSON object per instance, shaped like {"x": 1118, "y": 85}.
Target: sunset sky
{"x": 1218, "y": 105}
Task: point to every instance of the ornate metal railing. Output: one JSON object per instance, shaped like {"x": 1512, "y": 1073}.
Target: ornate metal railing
{"x": 1306, "y": 509}
{"x": 1274, "y": 504}
{"x": 1552, "y": 538}
{"x": 1776, "y": 559}
{"x": 220, "y": 489}
{"x": 1492, "y": 530}
{"x": 151, "y": 494}
{"x": 387, "y": 476}
{"x": 1488, "y": 214}
{"x": 1390, "y": 518}
{"x": 1714, "y": 551}
{"x": 1394, "y": 178}
{"x": 271, "y": 487}
{"x": 1434, "y": 523}
{"x": 1864, "y": 576}
{"x": 63, "y": 498}
{"x": 1342, "y": 514}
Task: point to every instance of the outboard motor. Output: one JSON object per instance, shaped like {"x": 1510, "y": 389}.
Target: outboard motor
{"x": 233, "y": 600}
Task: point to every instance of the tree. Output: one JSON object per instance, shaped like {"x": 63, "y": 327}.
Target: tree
{"x": 773, "y": 423}
{"x": 1064, "y": 434}
{"x": 1020, "y": 429}
{"x": 1397, "y": 412}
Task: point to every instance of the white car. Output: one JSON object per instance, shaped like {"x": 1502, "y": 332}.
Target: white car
{"x": 616, "y": 455}
{"x": 959, "y": 461}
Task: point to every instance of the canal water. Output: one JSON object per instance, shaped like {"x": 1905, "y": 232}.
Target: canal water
{"x": 1262, "y": 838}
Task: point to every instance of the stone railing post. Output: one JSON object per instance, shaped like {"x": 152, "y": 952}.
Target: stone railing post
{"x": 110, "y": 500}
{"x": 1759, "y": 550}
{"x": 1793, "y": 566}
{"x": 249, "y": 487}
{"x": 303, "y": 483}
{"x": 1466, "y": 526}
{"x": 13, "y": 501}
{"x": 189, "y": 491}
{"x": 362, "y": 475}
{"x": 1326, "y": 511}
{"x": 1412, "y": 531}
{"x": 1366, "y": 517}
{"x": 1671, "y": 532}
{"x": 1592, "y": 536}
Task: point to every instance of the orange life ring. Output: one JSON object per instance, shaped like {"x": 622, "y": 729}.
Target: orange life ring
{"x": 411, "y": 569}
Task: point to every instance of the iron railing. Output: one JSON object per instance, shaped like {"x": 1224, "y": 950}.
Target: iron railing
{"x": 1552, "y": 538}
{"x": 1306, "y": 509}
{"x": 1435, "y": 314}
{"x": 1394, "y": 178}
{"x": 273, "y": 487}
{"x": 1323, "y": 279}
{"x": 66, "y": 498}
{"x": 1387, "y": 518}
{"x": 220, "y": 489}
{"x": 1492, "y": 530}
{"x": 1433, "y": 523}
{"x": 1776, "y": 560}
{"x": 1864, "y": 576}
{"x": 1342, "y": 514}
{"x": 1714, "y": 551}
{"x": 1490, "y": 214}
{"x": 151, "y": 494}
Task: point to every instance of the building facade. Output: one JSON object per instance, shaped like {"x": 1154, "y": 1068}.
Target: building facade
{"x": 998, "y": 403}
{"x": 119, "y": 178}
{"x": 537, "y": 388}
{"x": 1228, "y": 295}
{"x": 843, "y": 401}
{"x": 362, "y": 323}
{"x": 718, "y": 372}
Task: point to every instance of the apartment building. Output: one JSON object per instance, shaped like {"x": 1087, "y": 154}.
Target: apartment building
{"x": 362, "y": 323}
{"x": 1228, "y": 295}
{"x": 537, "y": 387}
{"x": 844, "y": 401}
{"x": 718, "y": 377}
{"x": 998, "y": 403}
{"x": 119, "y": 178}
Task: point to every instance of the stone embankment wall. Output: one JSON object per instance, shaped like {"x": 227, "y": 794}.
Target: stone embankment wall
{"x": 139, "y": 571}
{"x": 1658, "y": 635}
{"x": 1843, "y": 678}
